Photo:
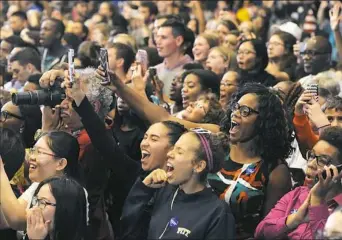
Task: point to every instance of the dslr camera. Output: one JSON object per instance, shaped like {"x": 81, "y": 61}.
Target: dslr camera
{"x": 47, "y": 97}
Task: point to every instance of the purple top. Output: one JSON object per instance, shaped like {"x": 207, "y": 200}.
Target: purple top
{"x": 274, "y": 223}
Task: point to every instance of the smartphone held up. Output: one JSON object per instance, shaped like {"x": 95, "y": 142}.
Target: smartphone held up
{"x": 71, "y": 56}
{"x": 104, "y": 64}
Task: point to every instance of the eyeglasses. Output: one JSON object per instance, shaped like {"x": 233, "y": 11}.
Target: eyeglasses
{"x": 245, "y": 52}
{"x": 5, "y": 114}
{"x": 276, "y": 44}
{"x": 322, "y": 160}
{"x": 41, "y": 203}
{"x": 227, "y": 84}
{"x": 245, "y": 111}
{"x": 35, "y": 152}
{"x": 311, "y": 53}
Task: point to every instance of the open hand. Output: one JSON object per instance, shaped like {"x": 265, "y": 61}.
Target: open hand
{"x": 335, "y": 15}
{"x": 37, "y": 228}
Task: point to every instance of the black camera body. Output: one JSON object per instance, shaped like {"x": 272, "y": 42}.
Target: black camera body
{"x": 47, "y": 97}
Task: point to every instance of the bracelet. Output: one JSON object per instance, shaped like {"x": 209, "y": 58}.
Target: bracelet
{"x": 325, "y": 126}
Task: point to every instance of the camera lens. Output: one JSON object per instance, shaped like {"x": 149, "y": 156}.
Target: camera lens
{"x": 39, "y": 97}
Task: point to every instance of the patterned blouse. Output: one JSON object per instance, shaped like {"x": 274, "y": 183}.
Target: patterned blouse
{"x": 243, "y": 187}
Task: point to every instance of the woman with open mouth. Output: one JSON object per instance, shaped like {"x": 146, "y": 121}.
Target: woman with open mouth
{"x": 259, "y": 144}
{"x": 183, "y": 208}
{"x": 303, "y": 212}
{"x": 54, "y": 154}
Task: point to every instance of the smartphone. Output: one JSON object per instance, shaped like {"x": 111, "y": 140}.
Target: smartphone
{"x": 314, "y": 89}
{"x": 71, "y": 56}
{"x": 104, "y": 64}
{"x": 142, "y": 58}
{"x": 324, "y": 174}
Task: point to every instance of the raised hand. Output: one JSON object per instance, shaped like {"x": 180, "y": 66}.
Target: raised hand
{"x": 114, "y": 80}
{"x": 316, "y": 115}
{"x": 303, "y": 101}
{"x": 37, "y": 228}
{"x": 49, "y": 78}
{"x": 323, "y": 186}
{"x": 73, "y": 89}
{"x": 156, "y": 179}
{"x": 50, "y": 118}
{"x": 335, "y": 15}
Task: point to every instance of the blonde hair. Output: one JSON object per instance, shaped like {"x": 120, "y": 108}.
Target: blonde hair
{"x": 126, "y": 39}
{"x": 211, "y": 37}
{"x": 228, "y": 55}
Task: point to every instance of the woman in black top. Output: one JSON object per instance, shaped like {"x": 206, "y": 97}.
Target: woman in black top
{"x": 252, "y": 61}
{"x": 183, "y": 208}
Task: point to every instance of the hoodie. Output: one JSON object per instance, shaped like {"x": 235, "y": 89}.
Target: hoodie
{"x": 177, "y": 215}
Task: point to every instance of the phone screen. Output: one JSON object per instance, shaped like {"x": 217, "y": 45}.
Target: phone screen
{"x": 71, "y": 55}
{"x": 104, "y": 63}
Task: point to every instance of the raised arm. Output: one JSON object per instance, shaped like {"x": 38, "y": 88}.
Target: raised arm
{"x": 13, "y": 209}
{"x": 123, "y": 167}
{"x": 147, "y": 110}
{"x": 335, "y": 19}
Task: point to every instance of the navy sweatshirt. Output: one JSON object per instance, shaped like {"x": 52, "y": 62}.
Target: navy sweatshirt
{"x": 201, "y": 215}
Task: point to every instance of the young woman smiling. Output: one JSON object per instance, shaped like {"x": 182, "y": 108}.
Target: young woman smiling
{"x": 183, "y": 207}
{"x": 57, "y": 201}
{"x": 54, "y": 154}
{"x": 259, "y": 124}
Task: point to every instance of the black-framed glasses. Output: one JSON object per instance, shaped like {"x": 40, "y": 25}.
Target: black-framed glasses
{"x": 5, "y": 114}
{"x": 245, "y": 111}
{"x": 41, "y": 203}
{"x": 312, "y": 53}
{"x": 322, "y": 160}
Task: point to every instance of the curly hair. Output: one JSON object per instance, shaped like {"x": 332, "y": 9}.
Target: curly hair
{"x": 217, "y": 148}
{"x": 95, "y": 92}
{"x": 215, "y": 112}
{"x": 273, "y": 141}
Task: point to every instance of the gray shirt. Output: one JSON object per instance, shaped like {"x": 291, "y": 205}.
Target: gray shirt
{"x": 166, "y": 75}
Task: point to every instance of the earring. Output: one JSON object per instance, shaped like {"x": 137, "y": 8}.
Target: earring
{"x": 21, "y": 129}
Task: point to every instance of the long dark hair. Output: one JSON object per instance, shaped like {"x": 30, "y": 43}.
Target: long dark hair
{"x": 64, "y": 145}
{"x": 273, "y": 142}
{"x": 70, "y": 221}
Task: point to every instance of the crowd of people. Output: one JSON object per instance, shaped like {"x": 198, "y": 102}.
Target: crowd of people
{"x": 210, "y": 120}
